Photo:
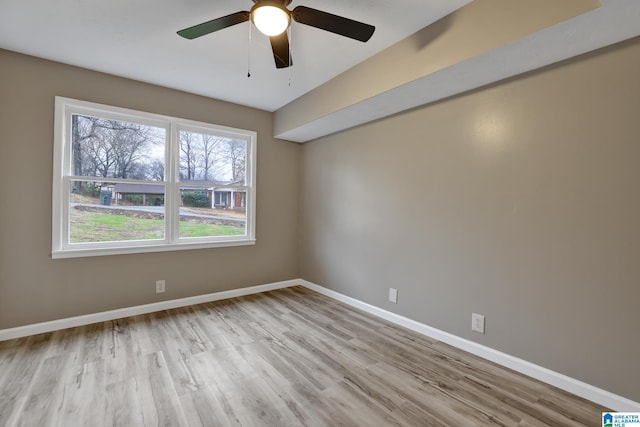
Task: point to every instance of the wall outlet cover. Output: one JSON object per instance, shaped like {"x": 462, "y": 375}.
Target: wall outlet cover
{"x": 477, "y": 322}
{"x": 160, "y": 286}
{"x": 393, "y": 295}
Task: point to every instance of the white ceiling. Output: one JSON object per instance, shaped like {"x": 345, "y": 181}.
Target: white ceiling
{"x": 138, "y": 40}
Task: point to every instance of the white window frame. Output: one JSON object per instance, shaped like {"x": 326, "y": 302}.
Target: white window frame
{"x": 63, "y": 176}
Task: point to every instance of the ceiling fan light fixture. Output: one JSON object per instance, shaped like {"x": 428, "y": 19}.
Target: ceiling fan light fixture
{"x": 270, "y": 18}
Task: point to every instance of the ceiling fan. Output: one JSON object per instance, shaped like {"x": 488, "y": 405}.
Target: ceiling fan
{"x": 273, "y": 18}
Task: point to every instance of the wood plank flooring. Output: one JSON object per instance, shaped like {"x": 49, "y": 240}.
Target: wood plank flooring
{"x": 290, "y": 357}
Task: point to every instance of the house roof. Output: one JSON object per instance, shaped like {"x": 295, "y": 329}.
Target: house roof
{"x": 139, "y": 188}
{"x": 126, "y": 188}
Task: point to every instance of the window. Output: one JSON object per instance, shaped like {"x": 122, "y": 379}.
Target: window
{"x": 127, "y": 181}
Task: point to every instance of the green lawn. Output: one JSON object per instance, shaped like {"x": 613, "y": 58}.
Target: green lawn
{"x": 101, "y": 227}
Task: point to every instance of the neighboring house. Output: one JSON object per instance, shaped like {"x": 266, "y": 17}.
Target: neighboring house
{"x": 224, "y": 196}
{"x": 121, "y": 190}
{"x": 221, "y": 197}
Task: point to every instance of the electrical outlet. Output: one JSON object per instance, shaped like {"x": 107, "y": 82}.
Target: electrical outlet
{"x": 160, "y": 286}
{"x": 393, "y": 295}
{"x": 477, "y": 322}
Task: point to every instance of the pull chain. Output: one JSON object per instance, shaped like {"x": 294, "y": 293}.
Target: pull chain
{"x": 290, "y": 31}
{"x": 249, "y": 52}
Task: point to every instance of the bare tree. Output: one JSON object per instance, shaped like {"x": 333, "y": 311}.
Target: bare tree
{"x": 82, "y": 129}
{"x": 188, "y": 156}
{"x": 211, "y": 158}
{"x": 236, "y": 152}
{"x": 99, "y": 153}
{"x": 209, "y": 155}
{"x": 109, "y": 148}
{"x": 156, "y": 170}
{"x": 128, "y": 143}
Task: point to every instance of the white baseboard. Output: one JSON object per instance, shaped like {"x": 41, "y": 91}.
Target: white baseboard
{"x": 70, "y": 322}
{"x": 579, "y": 388}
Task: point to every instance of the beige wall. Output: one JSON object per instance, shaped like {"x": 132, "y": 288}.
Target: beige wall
{"x": 35, "y": 288}
{"x": 519, "y": 201}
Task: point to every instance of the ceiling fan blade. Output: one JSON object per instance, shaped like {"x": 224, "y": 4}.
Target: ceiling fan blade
{"x": 214, "y": 25}
{"x": 333, "y": 23}
{"x": 281, "y": 52}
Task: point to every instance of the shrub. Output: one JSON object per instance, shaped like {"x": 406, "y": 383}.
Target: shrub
{"x": 194, "y": 199}
{"x": 155, "y": 200}
{"x": 89, "y": 190}
{"x": 135, "y": 199}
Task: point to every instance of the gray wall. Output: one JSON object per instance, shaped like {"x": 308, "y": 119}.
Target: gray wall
{"x": 519, "y": 201}
{"x": 35, "y": 288}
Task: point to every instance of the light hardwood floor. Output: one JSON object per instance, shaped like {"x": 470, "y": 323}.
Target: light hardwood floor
{"x": 290, "y": 357}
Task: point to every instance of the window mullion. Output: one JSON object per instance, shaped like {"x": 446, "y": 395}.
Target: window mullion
{"x": 173, "y": 207}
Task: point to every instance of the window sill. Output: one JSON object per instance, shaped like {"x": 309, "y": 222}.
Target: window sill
{"x": 90, "y": 252}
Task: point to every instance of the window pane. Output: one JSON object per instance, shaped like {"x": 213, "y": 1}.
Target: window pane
{"x": 111, "y": 212}
{"x": 129, "y": 181}
{"x": 116, "y": 149}
{"x": 206, "y": 157}
{"x": 207, "y": 212}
